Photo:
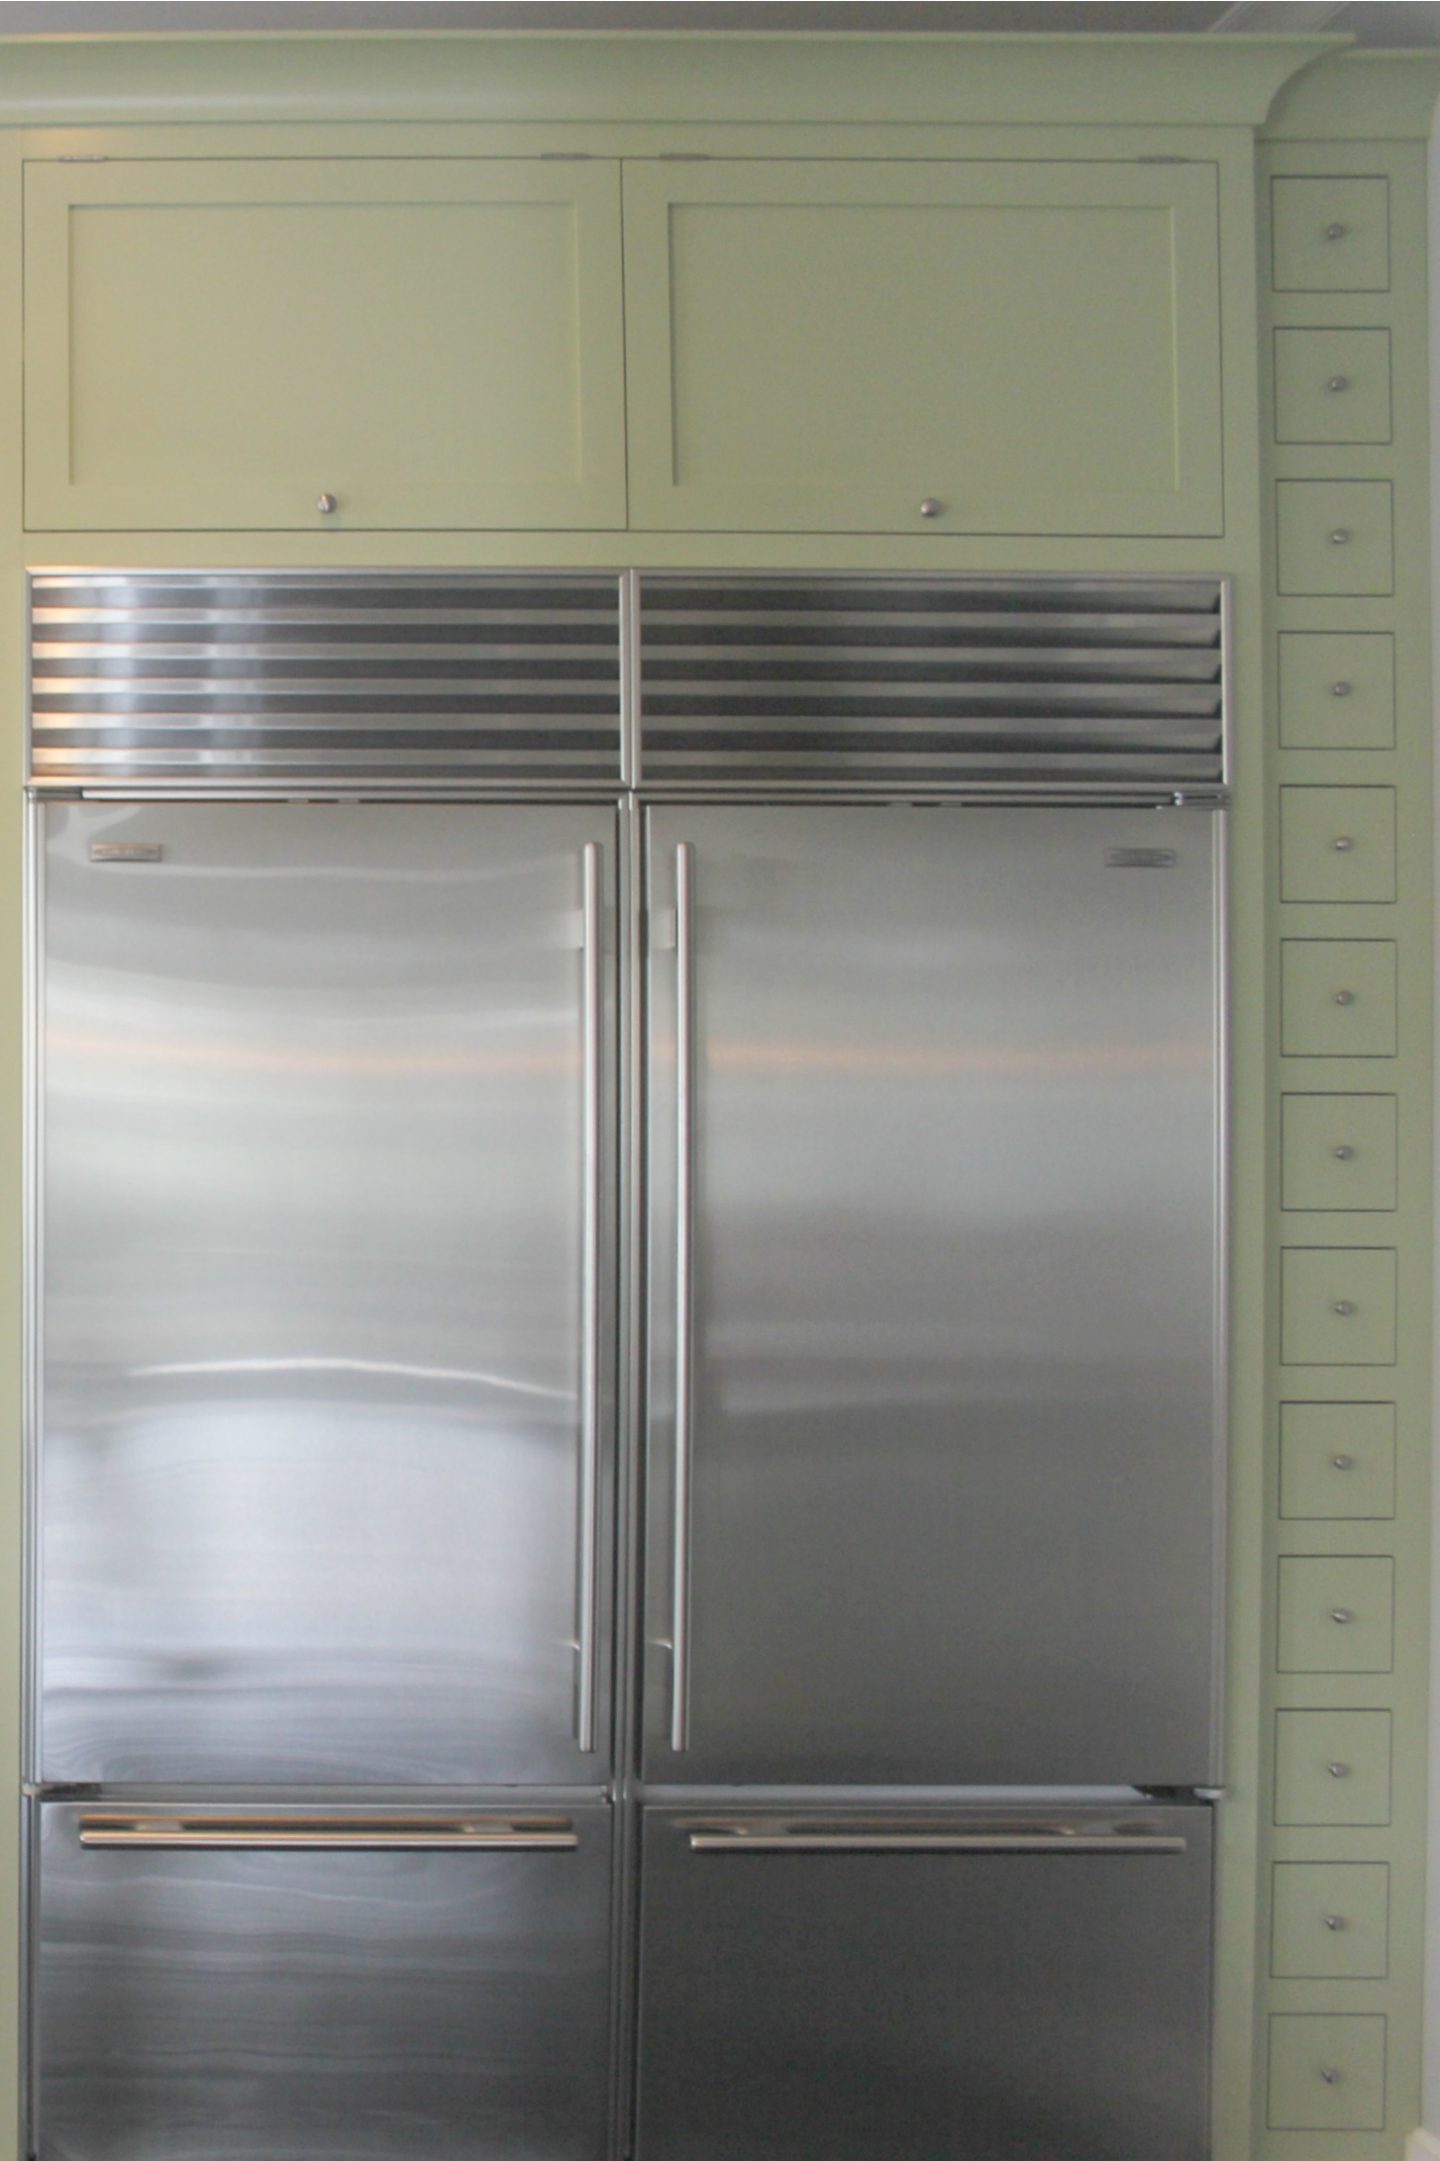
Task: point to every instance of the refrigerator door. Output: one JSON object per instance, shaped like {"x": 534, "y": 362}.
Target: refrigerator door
{"x": 935, "y": 1389}
{"x": 325, "y": 1141}
{"x": 1022, "y": 1987}
{"x": 284, "y": 1986}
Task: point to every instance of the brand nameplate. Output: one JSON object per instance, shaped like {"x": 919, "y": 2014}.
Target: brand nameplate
{"x": 1141, "y": 858}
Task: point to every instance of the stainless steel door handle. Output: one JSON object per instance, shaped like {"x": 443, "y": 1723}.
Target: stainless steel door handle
{"x": 1045, "y": 1841}
{"x": 684, "y": 1288}
{"x": 154, "y": 1832}
{"x": 587, "y": 1573}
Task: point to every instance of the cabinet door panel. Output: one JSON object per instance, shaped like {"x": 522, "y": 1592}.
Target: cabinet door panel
{"x": 1020, "y": 347}
{"x": 217, "y": 344}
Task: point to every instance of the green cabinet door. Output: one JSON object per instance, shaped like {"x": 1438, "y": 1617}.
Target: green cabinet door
{"x": 222, "y": 343}
{"x": 923, "y": 346}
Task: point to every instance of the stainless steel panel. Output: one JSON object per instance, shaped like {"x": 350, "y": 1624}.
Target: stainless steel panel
{"x": 311, "y": 2005}
{"x": 953, "y": 1468}
{"x": 328, "y": 1331}
{"x": 1035, "y": 2002}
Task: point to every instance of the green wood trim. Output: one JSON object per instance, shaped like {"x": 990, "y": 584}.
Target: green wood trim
{"x": 1379, "y": 96}
{"x": 639, "y": 74}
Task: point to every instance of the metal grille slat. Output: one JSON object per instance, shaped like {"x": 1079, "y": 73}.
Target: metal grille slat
{"x": 897, "y": 681}
{"x": 243, "y": 679}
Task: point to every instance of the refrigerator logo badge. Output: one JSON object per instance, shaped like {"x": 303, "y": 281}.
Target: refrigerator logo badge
{"x": 1141, "y": 858}
{"x": 125, "y": 851}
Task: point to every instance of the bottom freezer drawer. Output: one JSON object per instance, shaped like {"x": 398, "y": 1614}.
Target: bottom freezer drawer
{"x": 303, "y": 1985}
{"x": 1029, "y": 1987}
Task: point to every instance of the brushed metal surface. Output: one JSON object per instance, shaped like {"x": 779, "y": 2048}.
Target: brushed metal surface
{"x": 954, "y": 1471}
{"x": 302, "y": 2005}
{"x": 315, "y": 1454}
{"x": 1017, "y": 2006}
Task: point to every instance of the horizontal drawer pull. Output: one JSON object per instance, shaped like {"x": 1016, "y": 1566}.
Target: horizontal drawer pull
{"x": 741, "y": 1841}
{"x": 277, "y": 1834}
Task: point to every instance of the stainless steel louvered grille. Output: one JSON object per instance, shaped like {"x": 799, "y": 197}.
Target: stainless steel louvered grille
{"x": 268, "y": 680}
{"x": 932, "y": 682}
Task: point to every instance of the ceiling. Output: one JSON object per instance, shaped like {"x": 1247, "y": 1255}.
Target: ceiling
{"x": 1370, "y": 22}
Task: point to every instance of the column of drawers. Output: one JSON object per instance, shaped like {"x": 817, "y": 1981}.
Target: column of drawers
{"x": 1346, "y": 448}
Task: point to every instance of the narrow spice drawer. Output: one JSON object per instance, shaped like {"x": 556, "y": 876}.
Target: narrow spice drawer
{"x": 1330, "y": 234}
{"x": 1337, "y": 998}
{"x": 1335, "y": 536}
{"x": 1332, "y": 1767}
{"x": 1330, "y": 1921}
{"x": 1337, "y": 690}
{"x": 1327, "y": 2073}
{"x": 1338, "y": 1151}
{"x": 1332, "y": 386}
{"x": 1336, "y": 1614}
{"x": 1337, "y": 1306}
{"x": 1337, "y": 1460}
{"x": 1337, "y": 844}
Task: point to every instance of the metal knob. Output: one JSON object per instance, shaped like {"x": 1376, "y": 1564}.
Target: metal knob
{"x": 1338, "y": 1770}
{"x": 931, "y": 507}
{"x": 1338, "y": 382}
{"x": 1341, "y": 1615}
{"x": 1340, "y": 538}
{"x": 1342, "y": 1463}
{"x": 1342, "y": 1152}
{"x": 1335, "y": 1921}
{"x": 1343, "y": 1306}
{"x": 327, "y": 505}
{"x": 1344, "y": 997}
{"x": 1336, "y": 231}
{"x": 1331, "y": 2076}
{"x": 1343, "y": 844}
{"x": 1341, "y": 690}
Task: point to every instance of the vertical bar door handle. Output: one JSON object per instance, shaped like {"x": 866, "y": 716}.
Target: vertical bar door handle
{"x": 684, "y": 1291}
{"x": 587, "y": 1572}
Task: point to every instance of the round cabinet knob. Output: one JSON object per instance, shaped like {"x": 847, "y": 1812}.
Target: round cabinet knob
{"x": 1341, "y": 1616}
{"x": 1343, "y": 844}
{"x": 1344, "y": 1307}
{"x": 327, "y": 505}
{"x": 1340, "y": 538}
{"x": 1335, "y": 1922}
{"x": 931, "y": 507}
{"x": 1344, "y": 997}
{"x": 1338, "y": 382}
{"x": 1331, "y": 2076}
{"x": 1338, "y": 1770}
{"x": 1342, "y": 1152}
{"x": 1341, "y": 690}
{"x": 1336, "y": 231}
{"x": 1341, "y": 1463}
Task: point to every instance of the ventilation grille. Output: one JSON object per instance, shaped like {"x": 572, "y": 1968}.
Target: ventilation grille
{"x": 932, "y": 682}
{"x": 267, "y": 679}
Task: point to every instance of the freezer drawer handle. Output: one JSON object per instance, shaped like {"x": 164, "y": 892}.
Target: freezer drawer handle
{"x": 684, "y": 1304}
{"x": 744, "y": 1841}
{"x": 587, "y": 1573}
{"x": 485, "y": 1834}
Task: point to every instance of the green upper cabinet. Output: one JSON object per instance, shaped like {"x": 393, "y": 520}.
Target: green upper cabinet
{"x": 222, "y": 343}
{"x": 900, "y": 347}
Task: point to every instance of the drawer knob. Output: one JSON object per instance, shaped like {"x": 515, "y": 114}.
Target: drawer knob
{"x": 1338, "y": 382}
{"x": 1344, "y": 997}
{"x": 1341, "y": 690}
{"x": 1340, "y": 538}
{"x": 1342, "y": 1463}
{"x": 1330, "y": 2075}
{"x": 1341, "y": 1615}
{"x": 1335, "y": 1922}
{"x": 1343, "y": 1152}
{"x": 931, "y": 507}
{"x": 1343, "y": 844}
{"x": 327, "y": 505}
{"x": 1343, "y": 1306}
{"x": 1336, "y": 231}
{"x": 1338, "y": 1770}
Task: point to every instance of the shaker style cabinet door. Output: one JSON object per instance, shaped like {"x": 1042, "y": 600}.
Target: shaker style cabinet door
{"x": 954, "y": 348}
{"x": 233, "y": 343}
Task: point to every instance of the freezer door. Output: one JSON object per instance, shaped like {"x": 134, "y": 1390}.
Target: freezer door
{"x": 325, "y": 1392}
{"x": 1023, "y": 1987}
{"x": 283, "y": 1986}
{"x": 934, "y": 1309}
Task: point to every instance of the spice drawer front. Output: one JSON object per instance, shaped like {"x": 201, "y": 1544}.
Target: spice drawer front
{"x": 1338, "y": 1152}
{"x": 1332, "y": 386}
{"x": 1335, "y": 537}
{"x": 1330, "y": 1920}
{"x": 1337, "y": 844}
{"x": 1337, "y": 690}
{"x": 1326, "y": 2073}
{"x": 1330, "y": 234}
{"x": 1332, "y": 1767}
{"x": 1337, "y": 1306}
{"x": 1338, "y": 998}
{"x": 1337, "y": 1614}
{"x": 1337, "y": 1460}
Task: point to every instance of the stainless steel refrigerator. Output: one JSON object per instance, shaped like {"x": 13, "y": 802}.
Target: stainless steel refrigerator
{"x": 626, "y": 1377}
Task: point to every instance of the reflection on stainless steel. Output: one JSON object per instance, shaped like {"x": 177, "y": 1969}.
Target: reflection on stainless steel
{"x": 953, "y": 1464}
{"x": 923, "y": 2000}
{"x": 216, "y": 2002}
{"x": 314, "y": 1140}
